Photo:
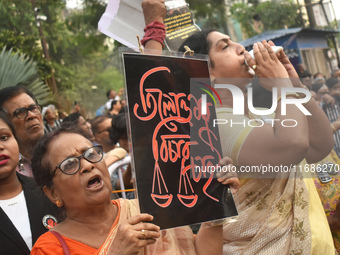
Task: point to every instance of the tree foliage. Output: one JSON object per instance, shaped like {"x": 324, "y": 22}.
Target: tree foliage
{"x": 17, "y": 16}
{"x": 28, "y": 45}
{"x": 209, "y": 13}
{"x": 254, "y": 17}
{"x": 258, "y": 17}
{"x": 17, "y": 69}
{"x": 79, "y": 53}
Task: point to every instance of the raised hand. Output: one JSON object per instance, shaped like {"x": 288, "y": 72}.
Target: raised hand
{"x": 153, "y": 10}
{"x": 293, "y": 75}
{"x": 268, "y": 67}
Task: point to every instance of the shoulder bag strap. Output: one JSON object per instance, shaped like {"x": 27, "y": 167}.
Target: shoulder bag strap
{"x": 62, "y": 242}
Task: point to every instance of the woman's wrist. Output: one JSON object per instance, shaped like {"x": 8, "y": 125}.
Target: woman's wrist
{"x": 335, "y": 126}
{"x": 154, "y": 31}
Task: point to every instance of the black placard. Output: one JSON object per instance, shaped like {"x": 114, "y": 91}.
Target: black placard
{"x": 173, "y": 143}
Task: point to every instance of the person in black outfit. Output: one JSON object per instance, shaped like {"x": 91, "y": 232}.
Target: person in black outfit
{"x": 25, "y": 211}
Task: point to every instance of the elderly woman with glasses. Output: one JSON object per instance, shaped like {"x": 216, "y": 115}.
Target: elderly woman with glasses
{"x": 74, "y": 177}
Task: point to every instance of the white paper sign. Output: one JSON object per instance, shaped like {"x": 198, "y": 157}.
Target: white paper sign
{"x": 123, "y": 20}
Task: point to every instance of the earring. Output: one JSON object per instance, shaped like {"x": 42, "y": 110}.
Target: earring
{"x": 58, "y": 203}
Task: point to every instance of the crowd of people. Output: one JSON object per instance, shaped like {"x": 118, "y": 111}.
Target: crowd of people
{"x": 58, "y": 176}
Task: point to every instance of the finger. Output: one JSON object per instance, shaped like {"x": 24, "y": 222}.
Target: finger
{"x": 225, "y": 174}
{"x": 148, "y": 234}
{"x": 228, "y": 180}
{"x": 270, "y": 51}
{"x": 233, "y": 182}
{"x": 250, "y": 61}
{"x": 264, "y": 41}
{"x": 257, "y": 53}
{"x": 264, "y": 52}
{"x": 279, "y": 55}
{"x": 146, "y": 242}
{"x": 147, "y": 226}
{"x": 271, "y": 43}
{"x": 135, "y": 219}
{"x": 225, "y": 161}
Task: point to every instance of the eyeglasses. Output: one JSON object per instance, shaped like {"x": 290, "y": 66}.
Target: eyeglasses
{"x": 71, "y": 165}
{"x": 21, "y": 113}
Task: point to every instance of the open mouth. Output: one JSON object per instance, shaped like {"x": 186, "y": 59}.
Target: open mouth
{"x": 94, "y": 183}
{"x": 3, "y": 159}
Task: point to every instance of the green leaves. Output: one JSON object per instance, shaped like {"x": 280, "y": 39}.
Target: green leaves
{"x": 18, "y": 69}
{"x": 259, "y": 17}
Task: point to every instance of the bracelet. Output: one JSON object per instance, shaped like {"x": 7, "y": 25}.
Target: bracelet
{"x": 308, "y": 101}
{"x": 216, "y": 223}
{"x": 333, "y": 128}
{"x": 289, "y": 94}
{"x": 154, "y": 31}
{"x": 305, "y": 87}
{"x": 294, "y": 95}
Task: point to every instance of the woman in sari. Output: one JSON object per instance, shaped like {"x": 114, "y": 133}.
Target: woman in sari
{"x": 279, "y": 213}
{"x": 74, "y": 177}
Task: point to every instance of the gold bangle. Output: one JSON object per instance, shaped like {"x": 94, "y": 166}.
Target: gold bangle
{"x": 289, "y": 94}
{"x": 305, "y": 87}
{"x": 333, "y": 128}
{"x": 308, "y": 101}
{"x": 216, "y": 223}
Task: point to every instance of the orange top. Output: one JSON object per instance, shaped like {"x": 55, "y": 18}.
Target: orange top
{"x": 48, "y": 244}
{"x": 176, "y": 241}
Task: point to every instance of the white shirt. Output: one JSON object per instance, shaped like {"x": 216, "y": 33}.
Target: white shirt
{"x": 16, "y": 210}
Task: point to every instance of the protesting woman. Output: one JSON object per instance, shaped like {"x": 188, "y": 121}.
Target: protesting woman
{"x": 74, "y": 177}
{"x": 280, "y": 215}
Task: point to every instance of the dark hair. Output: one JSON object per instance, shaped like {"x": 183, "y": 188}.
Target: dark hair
{"x": 109, "y": 92}
{"x": 316, "y": 74}
{"x": 331, "y": 82}
{"x": 316, "y": 87}
{"x": 40, "y": 166}
{"x": 4, "y": 117}
{"x": 13, "y": 91}
{"x": 72, "y": 118}
{"x": 119, "y": 129}
{"x": 114, "y": 102}
{"x": 305, "y": 75}
{"x": 96, "y": 121}
{"x": 198, "y": 42}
